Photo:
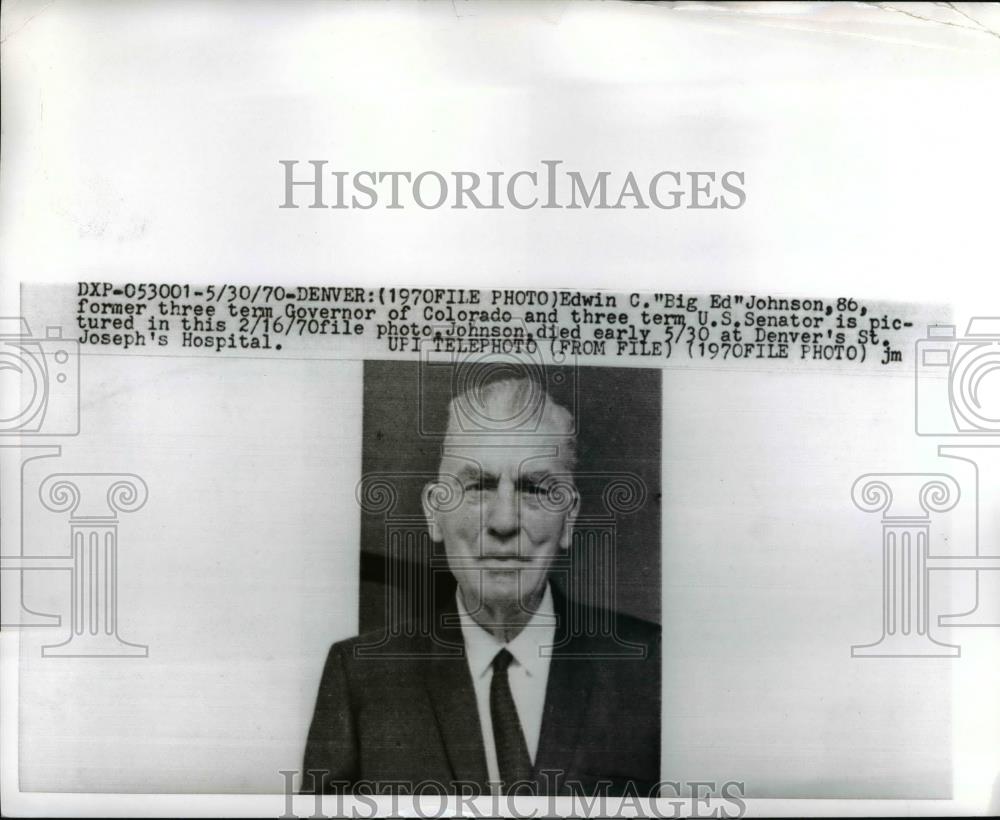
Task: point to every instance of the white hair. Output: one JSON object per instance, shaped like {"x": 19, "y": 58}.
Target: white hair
{"x": 512, "y": 404}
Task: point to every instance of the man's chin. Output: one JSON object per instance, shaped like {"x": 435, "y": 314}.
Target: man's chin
{"x": 500, "y": 586}
{"x": 505, "y": 588}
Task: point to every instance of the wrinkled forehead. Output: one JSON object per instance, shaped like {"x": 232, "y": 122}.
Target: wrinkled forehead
{"x": 510, "y": 427}
{"x": 543, "y": 452}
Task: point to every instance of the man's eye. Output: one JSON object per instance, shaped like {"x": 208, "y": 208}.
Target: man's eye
{"x": 481, "y": 485}
{"x": 531, "y": 488}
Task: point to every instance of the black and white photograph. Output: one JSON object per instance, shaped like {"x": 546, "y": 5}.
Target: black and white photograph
{"x": 509, "y": 607}
{"x": 473, "y": 408}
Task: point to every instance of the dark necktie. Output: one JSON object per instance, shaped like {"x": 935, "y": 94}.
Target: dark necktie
{"x": 512, "y": 751}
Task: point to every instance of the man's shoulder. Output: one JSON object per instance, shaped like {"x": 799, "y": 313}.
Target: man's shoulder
{"x": 638, "y": 628}
{"x": 581, "y": 613}
{"x": 602, "y": 630}
{"x": 409, "y": 641}
{"x": 586, "y": 627}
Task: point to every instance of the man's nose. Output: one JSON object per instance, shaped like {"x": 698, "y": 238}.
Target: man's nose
{"x": 502, "y": 512}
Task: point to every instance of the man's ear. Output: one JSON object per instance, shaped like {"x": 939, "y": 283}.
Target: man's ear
{"x": 430, "y": 510}
{"x": 566, "y": 539}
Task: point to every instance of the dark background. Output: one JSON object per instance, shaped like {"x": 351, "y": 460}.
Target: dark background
{"x": 618, "y": 419}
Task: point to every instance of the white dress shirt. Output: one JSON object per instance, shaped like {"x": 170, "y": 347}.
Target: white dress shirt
{"x": 528, "y": 673}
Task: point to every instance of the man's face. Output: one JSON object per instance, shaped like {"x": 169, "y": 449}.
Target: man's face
{"x": 516, "y": 511}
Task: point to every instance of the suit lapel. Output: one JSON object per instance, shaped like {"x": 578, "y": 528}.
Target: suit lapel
{"x": 567, "y": 697}
{"x": 449, "y": 686}
{"x": 568, "y": 692}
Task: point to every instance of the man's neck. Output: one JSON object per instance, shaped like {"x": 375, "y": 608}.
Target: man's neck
{"x": 505, "y": 622}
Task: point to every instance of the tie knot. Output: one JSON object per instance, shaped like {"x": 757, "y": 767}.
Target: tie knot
{"x": 501, "y": 661}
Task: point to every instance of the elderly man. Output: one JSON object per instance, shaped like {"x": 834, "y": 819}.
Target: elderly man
{"x": 514, "y": 689}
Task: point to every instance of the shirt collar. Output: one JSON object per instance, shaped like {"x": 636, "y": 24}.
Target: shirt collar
{"x": 526, "y": 647}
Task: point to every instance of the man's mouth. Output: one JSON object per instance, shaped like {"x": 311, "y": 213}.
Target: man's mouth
{"x": 503, "y": 562}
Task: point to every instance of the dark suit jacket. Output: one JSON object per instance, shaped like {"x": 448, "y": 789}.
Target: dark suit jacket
{"x": 399, "y": 710}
